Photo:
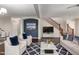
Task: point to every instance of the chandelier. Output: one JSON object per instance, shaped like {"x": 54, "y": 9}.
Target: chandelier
{"x": 3, "y": 11}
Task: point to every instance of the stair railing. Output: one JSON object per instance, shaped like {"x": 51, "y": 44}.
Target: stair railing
{"x": 55, "y": 24}
{"x": 70, "y": 30}
{"x": 5, "y": 34}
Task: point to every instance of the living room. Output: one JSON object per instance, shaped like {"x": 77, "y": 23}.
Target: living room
{"x": 42, "y": 29}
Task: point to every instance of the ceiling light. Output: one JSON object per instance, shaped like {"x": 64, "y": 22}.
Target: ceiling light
{"x": 3, "y": 11}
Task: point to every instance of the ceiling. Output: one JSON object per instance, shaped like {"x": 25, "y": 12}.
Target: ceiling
{"x": 39, "y": 10}
{"x": 19, "y": 10}
{"x": 58, "y": 10}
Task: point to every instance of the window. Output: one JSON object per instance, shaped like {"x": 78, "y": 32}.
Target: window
{"x": 31, "y": 26}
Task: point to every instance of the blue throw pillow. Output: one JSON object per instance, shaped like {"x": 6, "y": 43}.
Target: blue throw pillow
{"x": 14, "y": 40}
{"x": 24, "y": 36}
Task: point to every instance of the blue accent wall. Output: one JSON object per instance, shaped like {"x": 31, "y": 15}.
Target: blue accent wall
{"x": 33, "y": 32}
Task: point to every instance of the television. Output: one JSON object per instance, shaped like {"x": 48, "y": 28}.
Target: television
{"x": 48, "y": 29}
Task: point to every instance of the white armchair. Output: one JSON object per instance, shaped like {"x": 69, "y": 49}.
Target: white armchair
{"x": 29, "y": 40}
{"x": 18, "y": 49}
{"x": 15, "y": 50}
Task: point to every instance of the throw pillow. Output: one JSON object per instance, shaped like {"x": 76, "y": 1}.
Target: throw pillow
{"x": 24, "y": 36}
{"x": 14, "y": 40}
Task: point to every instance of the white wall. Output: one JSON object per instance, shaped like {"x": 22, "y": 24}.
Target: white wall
{"x": 61, "y": 21}
{"x": 71, "y": 24}
{"x": 10, "y": 25}
{"x": 41, "y": 24}
{"x": 15, "y": 26}
{"x": 56, "y": 32}
{"x": 5, "y": 24}
{"x": 77, "y": 27}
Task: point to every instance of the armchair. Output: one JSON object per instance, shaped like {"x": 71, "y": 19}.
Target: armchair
{"x": 18, "y": 49}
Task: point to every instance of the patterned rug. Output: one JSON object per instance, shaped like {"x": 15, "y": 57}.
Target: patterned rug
{"x": 62, "y": 51}
{"x": 34, "y": 49}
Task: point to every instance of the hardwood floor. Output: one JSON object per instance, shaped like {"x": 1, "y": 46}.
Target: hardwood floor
{"x": 35, "y": 39}
{"x": 2, "y": 49}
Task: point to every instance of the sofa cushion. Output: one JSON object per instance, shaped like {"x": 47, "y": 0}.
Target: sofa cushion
{"x": 20, "y": 37}
{"x": 75, "y": 41}
{"x": 14, "y": 40}
{"x": 23, "y": 44}
{"x": 8, "y": 40}
{"x": 70, "y": 46}
{"x": 24, "y": 36}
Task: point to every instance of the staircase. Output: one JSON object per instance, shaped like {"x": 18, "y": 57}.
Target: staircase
{"x": 58, "y": 26}
{"x": 55, "y": 24}
{"x": 2, "y": 39}
{"x": 70, "y": 30}
{"x": 1, "y": 30}
{"x": 3, "y": 35}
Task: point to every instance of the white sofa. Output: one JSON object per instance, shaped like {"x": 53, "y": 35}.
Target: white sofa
{"x": 19, "y": 49}
{"x": 70, "y": 46}
{"x": 29, "y": 40}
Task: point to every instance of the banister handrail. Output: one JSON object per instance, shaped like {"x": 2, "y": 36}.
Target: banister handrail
{"x": 71, "y": 29}
{"x": 55, "y": 24}
{"x": 4, "y": 36}
{"x": 2, "y": 30}
{"x": 58, "y": 25}
{"x": 54, "y": 21}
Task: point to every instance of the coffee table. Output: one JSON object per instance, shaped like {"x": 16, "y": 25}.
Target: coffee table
{"x": 46, "y": 46}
